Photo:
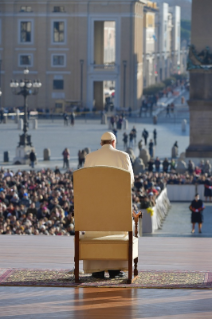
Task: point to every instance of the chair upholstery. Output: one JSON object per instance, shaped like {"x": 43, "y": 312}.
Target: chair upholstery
{"x": 102, "y": 208}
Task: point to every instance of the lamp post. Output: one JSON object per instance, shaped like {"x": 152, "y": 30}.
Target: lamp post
{"x": 25, "y": 88}
{"x": 81, "y": 82}
{"x": 124, "y": 84}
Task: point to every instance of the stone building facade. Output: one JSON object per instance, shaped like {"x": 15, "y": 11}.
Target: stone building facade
{"x": 162, "y": 54}
{"x": 68, "y": 46}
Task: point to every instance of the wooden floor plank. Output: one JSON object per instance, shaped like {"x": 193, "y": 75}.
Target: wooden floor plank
{"x": 58, "y": 253}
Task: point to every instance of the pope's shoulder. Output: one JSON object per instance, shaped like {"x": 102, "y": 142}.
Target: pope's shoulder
{"x": 118, "y": 152}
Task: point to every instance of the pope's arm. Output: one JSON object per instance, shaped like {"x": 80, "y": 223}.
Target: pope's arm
{"x": 128, "y": 167}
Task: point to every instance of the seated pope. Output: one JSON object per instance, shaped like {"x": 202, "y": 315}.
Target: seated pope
{"x": 107, "y": 155}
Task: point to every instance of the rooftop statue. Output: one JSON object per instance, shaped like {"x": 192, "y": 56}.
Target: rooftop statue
{"x": 202, "y": 60}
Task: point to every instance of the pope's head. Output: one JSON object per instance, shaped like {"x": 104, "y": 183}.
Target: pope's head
{"x": 108, "y": 138}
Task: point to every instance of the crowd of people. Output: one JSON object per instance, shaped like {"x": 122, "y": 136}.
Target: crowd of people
{"x": 42, "y": 202}
{"x": 36, "y": 203}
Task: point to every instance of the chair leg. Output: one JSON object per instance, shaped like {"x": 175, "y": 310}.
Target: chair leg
{"x": 76, "y": 258}
{"x": 135, "y": 266}
{"x": 129, "y": 281}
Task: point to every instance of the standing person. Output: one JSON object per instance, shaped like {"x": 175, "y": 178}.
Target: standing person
{"x": 134, "y": 133}
{"x": 109, "y": 156}
{"x": 208, "y": 189}
{"x": 165, "y": 165}
{"x": 115, "y": 132}
{"x": 157, "y": 164}
{"x": 112, "y": 121}
{"x": 145, "y": 135}
{"x": 196, "y": 208}
{"x": 155, "y": 136}
{"x": 66, "y": 157}
{"x": 151, "y": 145}
{"x": 125, "y": 140}
{"x": 79, "y": 159}
{"x": 72, "y": 117}
{"x": 32, "y": 158}
{"x": 131, "y": 137}
{"x": 65, "y": 118}
{"x": 1, "y": 115}
{"x": 168, "y": 111}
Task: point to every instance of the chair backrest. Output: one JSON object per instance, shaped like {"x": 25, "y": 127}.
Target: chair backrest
{"x": 102, "y": 199}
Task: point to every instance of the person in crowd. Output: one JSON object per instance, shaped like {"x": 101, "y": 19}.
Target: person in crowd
{"x": 66, "y": 157}
{"x": 134, "y": 134}
{"x": 32, "y": 158}
{"x": 145, "y": 135}
{"x": 151, "y": 164}
{"x": 125, "y": 140}
{"x": 65, "y": 119}
{"x": 157, "y": 164}
{"x": 72, "y": 118}
{"x": 207, "y": 167}
{"x": 155, "y": 136}
{"x": 166, "y": 165}
{"x": 196, "y": 209}
{"x": 168, "y": 111}
{"x": 151, "y": 148}
{"x": 131, "y": 138}
{"x": 190, "y": 167}
{"x": 112, "y": 121}
{"x": 208, "y": 188}
{"x": 172, "y": 165}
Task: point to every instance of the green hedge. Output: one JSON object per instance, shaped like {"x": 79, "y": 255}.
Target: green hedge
{"x": 169, "y": 81}
{"x": 182, "y": 76}
{"x": 154, "y": 89}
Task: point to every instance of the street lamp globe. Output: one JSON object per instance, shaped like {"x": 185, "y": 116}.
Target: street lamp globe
{"x": 0, "y": 93}
{"x": 26, "y": 71}
{"x": 21, "y": 84}
{"x": 29, "y": 85}
{"x": 12, "y": 84}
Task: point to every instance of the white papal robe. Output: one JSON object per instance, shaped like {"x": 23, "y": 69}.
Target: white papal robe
{"x": 108, "y": 156}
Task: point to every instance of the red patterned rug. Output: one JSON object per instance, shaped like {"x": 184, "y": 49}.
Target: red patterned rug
{"x": 145, "y": 279}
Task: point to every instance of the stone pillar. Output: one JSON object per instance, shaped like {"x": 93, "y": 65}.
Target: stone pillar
{"x": 200, "y": 102}
{"x": 99, "y": 42}
{"x": 99, "y": 95}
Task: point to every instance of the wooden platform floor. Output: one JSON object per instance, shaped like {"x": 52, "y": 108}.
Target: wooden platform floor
{"x": 57, "y": 253}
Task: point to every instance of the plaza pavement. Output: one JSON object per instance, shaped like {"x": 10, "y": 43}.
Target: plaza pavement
{"x": 56, "y": 136}
{"x": 178, "y": 222}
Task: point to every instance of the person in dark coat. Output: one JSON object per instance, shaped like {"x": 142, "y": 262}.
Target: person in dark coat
{"x": 32, "y": 158}
{"x": 196, "y": 209}
{"x": 208, "y": 189}
{"x": 125, "y": 139}
{"x": 145, "y": 135}
{"x": 151, "y": 146}
{"x": 155, "y": 136}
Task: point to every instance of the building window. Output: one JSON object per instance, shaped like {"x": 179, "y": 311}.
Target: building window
{"x": 58, "y": 84}
{"x": 58, "y": 60}
{"x": 59, "y": 9}
{"x": 25, "y": 60}
{"x": 26, "y": 9}
{"x": 58, "y": 31}
{"x": 26, "y": 32}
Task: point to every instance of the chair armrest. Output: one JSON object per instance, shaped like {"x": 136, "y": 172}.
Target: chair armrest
{"x": 136, "y": 218}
